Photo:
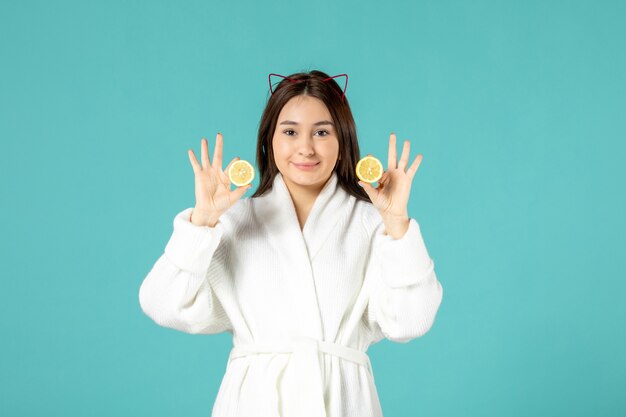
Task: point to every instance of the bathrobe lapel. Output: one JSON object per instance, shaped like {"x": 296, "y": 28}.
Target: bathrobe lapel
{"x": 277, "y": 213}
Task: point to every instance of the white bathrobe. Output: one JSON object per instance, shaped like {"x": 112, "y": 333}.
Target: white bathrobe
{"x": 303, "y": 306}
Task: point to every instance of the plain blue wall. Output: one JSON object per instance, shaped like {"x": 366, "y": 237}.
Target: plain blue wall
{"x": 517, "y": 107}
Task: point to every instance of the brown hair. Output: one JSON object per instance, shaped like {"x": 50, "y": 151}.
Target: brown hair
{"x": 310, "y": 84}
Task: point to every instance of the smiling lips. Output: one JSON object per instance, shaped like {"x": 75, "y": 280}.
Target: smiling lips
{"x": 308, "y": 165}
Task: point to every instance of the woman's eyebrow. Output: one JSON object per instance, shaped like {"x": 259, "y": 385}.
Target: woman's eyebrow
{"x": 321, "y": 122}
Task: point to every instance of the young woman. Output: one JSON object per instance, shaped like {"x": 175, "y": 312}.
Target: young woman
{"x": 308, "y": 272}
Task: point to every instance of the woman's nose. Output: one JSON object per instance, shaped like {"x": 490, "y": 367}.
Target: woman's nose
{"x": 306, "y": 146}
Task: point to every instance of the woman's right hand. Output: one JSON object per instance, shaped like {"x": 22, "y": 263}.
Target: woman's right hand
{"x": 213, "y": 194}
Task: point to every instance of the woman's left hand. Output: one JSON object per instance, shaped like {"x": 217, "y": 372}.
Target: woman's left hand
{"x": 391, "y": 197}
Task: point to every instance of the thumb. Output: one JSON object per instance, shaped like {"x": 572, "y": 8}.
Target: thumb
{"x": 371, "y": 191}
{"x": 240, "y": 191}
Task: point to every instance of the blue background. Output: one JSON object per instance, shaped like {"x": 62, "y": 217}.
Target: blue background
{"x": 517, "y": 107}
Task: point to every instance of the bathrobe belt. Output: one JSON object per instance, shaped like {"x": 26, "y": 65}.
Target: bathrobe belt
{"x": 305, "y": 397}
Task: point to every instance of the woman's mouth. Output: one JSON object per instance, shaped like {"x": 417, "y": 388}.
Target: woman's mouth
{"x": 306, "y": 166}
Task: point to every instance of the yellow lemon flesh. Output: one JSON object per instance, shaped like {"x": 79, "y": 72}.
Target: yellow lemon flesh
{"x": 241, "y": 173}
{"x": 369, "y": 169}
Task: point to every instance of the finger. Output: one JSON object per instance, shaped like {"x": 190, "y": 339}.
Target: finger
{"x": 415, "y": 165}
{"x": 224, "y": 174}
{"x": 205, "y": 154}
{"x": 194, "y": 162}
{"x": 217, "y": 155}
{"x": 369, "y": 189}
{"x": 240, "y": 191}
{"x": 391, "y": 160}
{"x": 404, "y": 159}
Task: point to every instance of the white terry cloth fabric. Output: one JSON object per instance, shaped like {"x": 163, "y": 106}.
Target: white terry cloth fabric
{"x": 303, "y": 306}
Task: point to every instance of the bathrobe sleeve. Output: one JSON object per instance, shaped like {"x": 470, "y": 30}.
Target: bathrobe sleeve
{"x": 177, "y": 293}
{"x": 405, "y": 293}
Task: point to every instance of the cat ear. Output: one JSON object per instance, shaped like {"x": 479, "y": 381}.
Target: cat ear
{"x": 345, "y": 85}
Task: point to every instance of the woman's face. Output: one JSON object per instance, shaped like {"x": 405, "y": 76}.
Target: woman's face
{"x": 305, "y": 134}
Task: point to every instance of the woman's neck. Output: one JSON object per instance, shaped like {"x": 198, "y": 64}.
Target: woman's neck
{"x": 303, "y": 198}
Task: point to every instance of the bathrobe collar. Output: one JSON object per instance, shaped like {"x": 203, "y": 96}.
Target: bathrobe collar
{"x": 279, "y": 213}
{"x": 298, "y": 248}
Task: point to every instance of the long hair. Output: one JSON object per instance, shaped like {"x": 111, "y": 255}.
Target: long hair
{"x": 311, "y": 84}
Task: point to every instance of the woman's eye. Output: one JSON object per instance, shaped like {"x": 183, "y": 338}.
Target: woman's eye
{"x": 291, "y": 130}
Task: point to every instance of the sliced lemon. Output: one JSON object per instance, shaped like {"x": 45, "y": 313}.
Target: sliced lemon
{"x": 369, "y": 169}
{"x": 241, "y": 173}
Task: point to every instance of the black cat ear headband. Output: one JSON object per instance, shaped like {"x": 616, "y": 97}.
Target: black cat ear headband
{"x": 269, "y": 79}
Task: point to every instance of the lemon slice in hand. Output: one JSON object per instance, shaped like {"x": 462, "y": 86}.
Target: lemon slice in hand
{"x": 241, "y": 173}
{"x": 369, "y": 169}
